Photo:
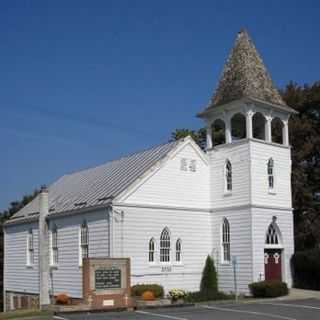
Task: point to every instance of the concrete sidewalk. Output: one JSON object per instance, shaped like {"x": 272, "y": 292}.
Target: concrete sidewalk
{"x": 300, "y": 294}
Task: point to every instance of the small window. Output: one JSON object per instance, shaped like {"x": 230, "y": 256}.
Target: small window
{"x": 272, "y": 235}
{"x": 30, "y": 248}
{"x": 228, "y": 176}
{"x": 178, "y": 250}
{"x": 84, "y": 241}
{"x": 165, "y": 246}
{"x": 183, "y": 164}
{"x": 193, "y": 165}
{"x": 225, "y": 241}
{"x": 271, "y": 173}
{"x": 54, "y": 246}
{"x": 151, "y": 250}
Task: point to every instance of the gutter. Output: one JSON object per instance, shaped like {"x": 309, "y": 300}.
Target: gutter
{"x": 35, "y": 216}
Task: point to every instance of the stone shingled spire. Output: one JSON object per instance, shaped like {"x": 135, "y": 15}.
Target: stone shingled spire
{"x": 245, "y": 75}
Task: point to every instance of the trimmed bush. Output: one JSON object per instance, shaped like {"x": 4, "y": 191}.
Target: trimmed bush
{"x": 306, "y": 269}
{"x": 139, "y": 289}
{"x": 197, "y": 296}
{"x": 62, "y": 299}
{"x": 268, "y": 289}
{"x": 148, "y": 296}
{"x": 209, "y": 281}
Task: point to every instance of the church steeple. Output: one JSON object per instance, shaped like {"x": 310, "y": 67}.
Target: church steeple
{"x": 245, "y": 75}
{"x": 246, "y": 104}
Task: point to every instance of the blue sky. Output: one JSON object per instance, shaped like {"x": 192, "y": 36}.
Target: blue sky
{"x": 83, "y": 82}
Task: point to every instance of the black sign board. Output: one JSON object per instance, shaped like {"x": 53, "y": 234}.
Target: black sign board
{"x": 107, "y": 278}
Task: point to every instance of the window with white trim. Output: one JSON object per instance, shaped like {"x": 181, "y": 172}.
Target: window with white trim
{"x": 84, "y": 241}
{"x": 165, "y": 245}
{"x": 151, "y": 250}
{"x": 54, "y": 246}
{"x": 228, "y": 176}
{"x": 30, "y": 248}
{"x": 226, "y": 241}
{"x": 178, "y": 250}
{"x": 271, "y": 174}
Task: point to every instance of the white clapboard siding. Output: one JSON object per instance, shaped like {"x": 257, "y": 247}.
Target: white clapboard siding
{"x": 261, "y": 219}
{"x": 239, "y": 156}
{"x": 241, "y": 247}
{"x": 67, "y": 277}
{"x": 260, "y": 154}
{"x": 142, "y": 224}
{"x": 171, "y": 186}
{"x": 17, "y": 275}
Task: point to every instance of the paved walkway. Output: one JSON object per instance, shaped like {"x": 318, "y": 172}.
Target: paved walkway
{"x": 299, "y": 294}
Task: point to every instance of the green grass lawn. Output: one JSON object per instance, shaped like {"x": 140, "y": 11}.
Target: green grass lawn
{"x": 45, "y": 315}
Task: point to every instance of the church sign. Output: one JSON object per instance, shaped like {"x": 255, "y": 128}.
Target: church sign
{"x": 107, "y": 278}
{"x": 106, "y": 283}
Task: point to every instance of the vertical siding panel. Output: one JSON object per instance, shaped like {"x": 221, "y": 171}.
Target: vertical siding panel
{"x": 68, "y": 275}
{"x": 192, "y": 227}
{"x": 18, "y": 276}
{"x": 240, "y": 246}
{"x": 239, "y": 156}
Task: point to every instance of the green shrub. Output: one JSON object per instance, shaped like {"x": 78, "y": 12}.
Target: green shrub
{"x": 209, "y": 281}
{"x": 197, "y": 296}
{"x": 306, "y": 269}
{"x": 139, "y": 289}
{"x": 268, "y": 289}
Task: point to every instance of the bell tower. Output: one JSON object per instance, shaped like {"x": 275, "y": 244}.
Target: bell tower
{"x": 250, "y": 166}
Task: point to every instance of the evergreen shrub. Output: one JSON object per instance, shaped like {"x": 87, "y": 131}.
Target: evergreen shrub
{"x": 268, "y": 289}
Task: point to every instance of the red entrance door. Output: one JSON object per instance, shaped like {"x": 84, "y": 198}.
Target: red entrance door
{"x": 272, "y": 264}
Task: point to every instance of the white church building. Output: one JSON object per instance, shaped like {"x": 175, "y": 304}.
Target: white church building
{"x": 168, "y": 207}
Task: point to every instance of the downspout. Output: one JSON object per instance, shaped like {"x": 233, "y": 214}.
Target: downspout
{"x": 4, "y": 298}
{"x": 44, "y": 273}
{"x": 110, "y": 216}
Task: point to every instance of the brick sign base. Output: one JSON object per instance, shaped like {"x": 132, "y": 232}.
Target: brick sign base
{"x": 106, "y": 283}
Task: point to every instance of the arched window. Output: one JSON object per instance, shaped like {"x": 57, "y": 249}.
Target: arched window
{"x": 151, "y": 250}
{"x": 277, "y": 130}
{"x": 238, "y": 127}
{"x": 30, "y": 248}
{"x": 272, "y": 236}
{"x": 54, "y": 245}
{"x": 225, "y": 241}
{"x": 228, "y": 176}
{"x": 84, "y": 241}
{"x": 178, "y": 250}
{"x": 165, "y": 245}
{"x": 271, "y": 173}
{"x": 218, "y": 132}
{"x": 258, "y": 126}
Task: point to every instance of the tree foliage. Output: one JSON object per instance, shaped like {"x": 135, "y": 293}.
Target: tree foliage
{"x": 15, "y": 206}
{"x": 305, "y": 140}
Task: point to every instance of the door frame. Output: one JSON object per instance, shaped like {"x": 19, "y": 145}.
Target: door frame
{"x": 281, "y": 249}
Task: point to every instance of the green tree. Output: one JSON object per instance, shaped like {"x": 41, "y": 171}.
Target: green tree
{"x": 209, "y": 281}
{"x": 15, "y": 206}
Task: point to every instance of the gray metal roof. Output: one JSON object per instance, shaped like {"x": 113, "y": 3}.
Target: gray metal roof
{"x": 96, "y": 186}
